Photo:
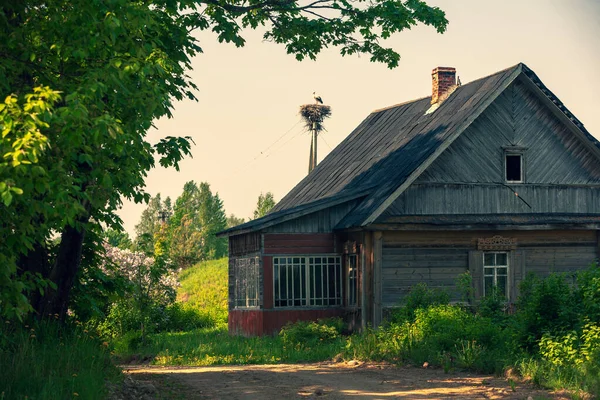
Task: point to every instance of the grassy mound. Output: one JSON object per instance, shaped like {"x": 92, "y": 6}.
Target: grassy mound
{"x": 204, "y": 288}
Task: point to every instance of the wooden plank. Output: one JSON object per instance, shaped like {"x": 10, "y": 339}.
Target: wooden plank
{"x": 476, "y": 270}
{"x": 378, "y": 278}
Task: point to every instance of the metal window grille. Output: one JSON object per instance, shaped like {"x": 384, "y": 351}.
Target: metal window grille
{"x": 495, "y": 272}
{"x": 247, "y": 282}
{"x": 307, "y": 281}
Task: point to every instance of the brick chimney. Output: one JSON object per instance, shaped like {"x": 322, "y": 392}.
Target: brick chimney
{"x": 443, "y": 80}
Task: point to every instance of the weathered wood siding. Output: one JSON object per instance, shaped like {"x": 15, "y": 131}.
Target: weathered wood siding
{"x": 244, "y": 244}
{"x": 485, "y": 198}
{"x": 437, "y": 258}
{"x": 319, "y": 222}
{"x": 516, "y": 118}
{"x": 308, "y": 243}
{"x": 561, "y": 174}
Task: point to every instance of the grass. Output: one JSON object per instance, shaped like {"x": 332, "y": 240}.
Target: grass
{"x": 204, "y": 287}
{"x": 214, "y": 346}
{"x": 47, "y": 361}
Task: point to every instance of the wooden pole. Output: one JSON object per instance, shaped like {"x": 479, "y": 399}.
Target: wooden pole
{"x": 314, "y": 146}
{"x": 310, "y": 159}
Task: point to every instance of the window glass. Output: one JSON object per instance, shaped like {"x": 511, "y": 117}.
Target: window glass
{"x": 495, "y": 272}
{"x": 307, "y": 281}
{"x": 513, "y": 168}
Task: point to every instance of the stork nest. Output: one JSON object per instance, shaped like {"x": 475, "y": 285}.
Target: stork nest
{"x": 313, "y": 116}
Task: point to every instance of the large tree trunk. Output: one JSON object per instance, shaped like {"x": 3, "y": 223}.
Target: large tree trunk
{"x": 63, "y": 273}
{"x": 35, "y": 262}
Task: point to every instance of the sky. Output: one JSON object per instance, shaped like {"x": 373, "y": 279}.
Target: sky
{"x": 246, "y": 125}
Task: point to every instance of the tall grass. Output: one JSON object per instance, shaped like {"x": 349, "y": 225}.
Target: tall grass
{"x": 204, "y": 288}
{"x": 49, "y": 361}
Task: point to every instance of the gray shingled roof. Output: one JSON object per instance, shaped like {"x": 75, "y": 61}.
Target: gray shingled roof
{"x": 390, "y": 148}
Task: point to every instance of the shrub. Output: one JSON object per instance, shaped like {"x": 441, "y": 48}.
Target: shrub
{"x": 545, "y": 306}
{"x": 419, "y": 297}
{"x": 310, "y": 333}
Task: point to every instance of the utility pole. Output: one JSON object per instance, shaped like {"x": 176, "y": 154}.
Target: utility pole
{"x": 313, "y": 116}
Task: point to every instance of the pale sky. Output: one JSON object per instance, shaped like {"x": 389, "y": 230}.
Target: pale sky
{"x": 248, "y": 98}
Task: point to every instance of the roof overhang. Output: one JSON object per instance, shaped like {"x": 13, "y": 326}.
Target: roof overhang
{"x": 293, "y": 213}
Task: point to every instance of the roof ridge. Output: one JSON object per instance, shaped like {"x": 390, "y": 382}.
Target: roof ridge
{"x": 465, "y": 84}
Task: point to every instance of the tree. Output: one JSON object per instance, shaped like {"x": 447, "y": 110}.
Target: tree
{"x": 157, "y": 213}
{"x": 232, "y": 221}
{"x": 83, "y": 82}
{"x": 264, "y": 205}
{"x": 118, "y": 239}
{"x": 197, "y": 216}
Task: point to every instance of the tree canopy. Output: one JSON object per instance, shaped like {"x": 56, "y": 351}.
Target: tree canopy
{"x": 264, "y": 204}
{"x": 82, "y": 82}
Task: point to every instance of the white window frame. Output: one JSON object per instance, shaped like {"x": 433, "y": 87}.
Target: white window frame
{"x": 247, "y": 282}
{"x": 308, "y": 287}
{"x": 496, "y": 267}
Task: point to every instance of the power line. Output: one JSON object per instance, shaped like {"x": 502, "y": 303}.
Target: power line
{"x": 266, "y": 150}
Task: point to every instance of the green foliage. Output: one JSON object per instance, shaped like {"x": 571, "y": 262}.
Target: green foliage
{"x": 464, "y": 284}
{"x": 303, "y": 334}
{"x": 156, "y": 213}
{"x": 264, "y": 204}
{"x": 419, "y": 297}
{"x": 75, "y": 122}
{"x": 544, "y": 306}
{"x": 232, "y": 221}
{"x": 197, "y": 216}
{"x": 493, "y": 305}
{"x": 48, "y": 361}
{"x": 118, "y": 239}
{"x": 204, "y": 287}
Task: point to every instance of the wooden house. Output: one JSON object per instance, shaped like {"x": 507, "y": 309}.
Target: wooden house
{"x": 495, "y": 177}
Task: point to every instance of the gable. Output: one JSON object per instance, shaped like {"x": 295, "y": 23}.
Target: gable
{"x": 552, "y": 153}
{"x": 561, "y": 173}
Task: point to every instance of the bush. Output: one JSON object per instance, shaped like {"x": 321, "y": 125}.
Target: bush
{"x": 547, "y": 305}
{"x": 310, "y": 333}
{"x": 419, "y": 297}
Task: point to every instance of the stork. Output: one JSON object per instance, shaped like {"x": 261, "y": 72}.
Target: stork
{"x": 317, "y": 98}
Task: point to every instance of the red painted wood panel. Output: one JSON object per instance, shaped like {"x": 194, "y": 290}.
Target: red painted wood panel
{"x": 274, "y": 320}
{"x": 268, "y": 282}
{"x": 269, "y": 322}
{"x": 299, "y": 243}
{"x": 246, "y": 322}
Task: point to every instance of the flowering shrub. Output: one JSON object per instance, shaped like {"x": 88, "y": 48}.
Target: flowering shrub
{"x": 152, "y": 282}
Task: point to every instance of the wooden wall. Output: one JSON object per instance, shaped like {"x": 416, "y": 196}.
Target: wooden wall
{"x": 319, "y": 222}
{"x": 553, "y": 153}
{"x": 485, "y": 198}
{"x": 309, "y": 243}
{"x": 561, "y": 174}
{"x": 438, "y": 257}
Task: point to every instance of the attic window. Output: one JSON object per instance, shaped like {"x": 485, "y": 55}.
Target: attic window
{"x": 514, "y": 167}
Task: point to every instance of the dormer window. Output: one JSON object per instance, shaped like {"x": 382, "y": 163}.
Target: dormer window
{"x": 513, "y": 165}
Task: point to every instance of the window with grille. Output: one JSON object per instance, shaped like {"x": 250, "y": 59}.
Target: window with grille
{"x": 495, "y": 272}
{"x": 304, "y": 281}
{"x": 247, "y": 282}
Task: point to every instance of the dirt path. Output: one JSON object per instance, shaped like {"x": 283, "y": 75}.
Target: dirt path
{"x": 331, "y": 381}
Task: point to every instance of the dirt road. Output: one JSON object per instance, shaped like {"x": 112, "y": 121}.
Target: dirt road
{"x": 332, "y": 381}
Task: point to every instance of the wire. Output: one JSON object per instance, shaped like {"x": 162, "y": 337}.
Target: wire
{"x": 323, "y": 137}
{"x": 266, "y": 152}
{"x": 516, "y": 194}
